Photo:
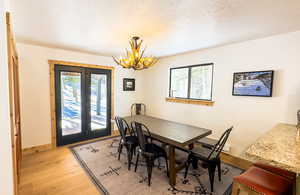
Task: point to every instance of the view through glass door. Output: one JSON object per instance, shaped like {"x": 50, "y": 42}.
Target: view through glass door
{"x": 83, "y": 103}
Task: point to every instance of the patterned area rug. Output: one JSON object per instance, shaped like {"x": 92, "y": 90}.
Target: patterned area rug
{"x": 99, "y": 160}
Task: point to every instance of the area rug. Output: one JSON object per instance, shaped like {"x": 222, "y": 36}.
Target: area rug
{"x": 99, "y": 160}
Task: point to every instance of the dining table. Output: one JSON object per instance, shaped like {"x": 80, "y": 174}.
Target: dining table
{"x": 174, "y": 134}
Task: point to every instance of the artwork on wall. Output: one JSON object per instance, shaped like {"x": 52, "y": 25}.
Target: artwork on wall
{"x": 128, "y": 84}
{"x": 258, "y": 83}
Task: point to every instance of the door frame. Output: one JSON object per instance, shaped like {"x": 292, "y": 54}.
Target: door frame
{"x": 14, "y": 106}
{"x": 52, "y": 64}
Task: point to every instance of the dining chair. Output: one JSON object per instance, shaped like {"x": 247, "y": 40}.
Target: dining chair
{"x": 147, "y": 149}
{"x": 138, "y": 109}
{"x": 209, "y": 157}
{"x": 130, "y": 141}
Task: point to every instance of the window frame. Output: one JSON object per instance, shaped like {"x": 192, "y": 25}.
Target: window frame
{"x": 189, "y": 67}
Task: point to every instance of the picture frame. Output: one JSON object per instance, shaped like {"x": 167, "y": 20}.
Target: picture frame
{"x": 128, "y": 84}
{"x": 254, "y": 83}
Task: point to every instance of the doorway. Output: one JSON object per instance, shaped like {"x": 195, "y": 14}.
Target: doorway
{"x": 82, "y": 102}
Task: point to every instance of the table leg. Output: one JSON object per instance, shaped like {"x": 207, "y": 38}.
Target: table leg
{"x": 172, "y": 165}
{"x": 298, "y": 184}
{"x": 195, "y": 162}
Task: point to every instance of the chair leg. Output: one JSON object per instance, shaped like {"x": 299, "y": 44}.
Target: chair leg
{"x": 120, "y": 150}
{"x": 211, "y": 173}
{"x": 134, "y": 151}
{"x": 188, "y": 162}
{"x": 137, "y": 161}
{"x": 158, "y": 162}
{"x": 120, "y": 142}
{"x": 187, "y": 167}
{"x": 219, "y": 169}
{"x": 129, "y": 155}
{"x": 167, "y": 166}
{"x": 195, "y": 163}
{"x": 149, "y": 169}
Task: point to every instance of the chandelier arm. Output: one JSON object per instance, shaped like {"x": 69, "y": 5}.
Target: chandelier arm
{"x": 139, "y": 44}
{"x": 152, "y": 62}
{"x": 139, "y": 60}
{"x": 127, "y": 53}
{"x": 142, "y": 54}
{"x": 116, "y": 60}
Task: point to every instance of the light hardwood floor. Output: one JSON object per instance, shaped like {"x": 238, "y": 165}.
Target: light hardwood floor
{"x": 54, "y": 172}
{"x": 57, "y": 172}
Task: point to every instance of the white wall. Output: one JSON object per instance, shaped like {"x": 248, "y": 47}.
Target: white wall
{"x": 35, "y": 89}
{"x": 6, "y": 173}
{"x": 251, "y": 116}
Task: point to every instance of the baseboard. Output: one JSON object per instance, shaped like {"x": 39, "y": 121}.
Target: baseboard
{"x": 36, "y": 149}
{"x": 115, "y": 132}
{"x": 45, "y": 147}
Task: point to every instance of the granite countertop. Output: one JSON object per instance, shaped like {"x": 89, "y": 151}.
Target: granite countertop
{"x": 279, "y": 147}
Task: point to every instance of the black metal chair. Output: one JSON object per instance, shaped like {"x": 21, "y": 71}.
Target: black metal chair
{"x": 209, "y": 157}
{"x": 130, "y": 141}
{"x": 148, "y": 150}
{"x": 138, "y": 109}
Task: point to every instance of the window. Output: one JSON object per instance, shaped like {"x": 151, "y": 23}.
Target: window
{"x": 192, "y": 82}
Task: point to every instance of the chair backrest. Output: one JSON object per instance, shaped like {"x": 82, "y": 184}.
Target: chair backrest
{"x": 138, "y": 109}
{"x": 123, "y": 126}
{"x": 218, "y": 147}
{"x": 139, "y": 128}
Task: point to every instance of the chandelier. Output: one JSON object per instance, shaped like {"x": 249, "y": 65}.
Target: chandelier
{"x": 135, "y": 58}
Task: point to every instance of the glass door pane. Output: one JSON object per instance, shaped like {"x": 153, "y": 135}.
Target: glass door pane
{"x": 98, "y": 97}
{"x": 70, "y": 94}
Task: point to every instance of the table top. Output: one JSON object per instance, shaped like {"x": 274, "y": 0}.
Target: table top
{"x": 170, "y": 132}
{"x": 279, "y": 147}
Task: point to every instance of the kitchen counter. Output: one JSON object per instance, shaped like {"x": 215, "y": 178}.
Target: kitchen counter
{"x": 279, "y": 147}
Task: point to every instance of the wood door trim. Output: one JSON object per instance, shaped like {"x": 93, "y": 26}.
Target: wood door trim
{"x": 52, "y": 91}
{"x": 14, "y": 105}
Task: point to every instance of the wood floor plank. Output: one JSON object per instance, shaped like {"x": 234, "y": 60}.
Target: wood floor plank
{"x": 54, "y": 172}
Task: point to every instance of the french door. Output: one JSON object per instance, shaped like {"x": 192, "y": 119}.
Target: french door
{"x": 83, "y": 103}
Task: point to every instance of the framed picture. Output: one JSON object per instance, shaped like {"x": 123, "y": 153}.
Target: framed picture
{"x": 258, "y": 83}
{"x": 128, "y": 84}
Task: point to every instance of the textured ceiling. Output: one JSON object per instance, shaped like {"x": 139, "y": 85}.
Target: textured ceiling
{"x": 167, "y": 27}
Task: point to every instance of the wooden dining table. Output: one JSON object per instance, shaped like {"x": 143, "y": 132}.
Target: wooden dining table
{"x": 172, "y": 133}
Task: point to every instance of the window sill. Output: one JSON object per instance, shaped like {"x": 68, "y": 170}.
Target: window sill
{"x": 190, "y": 101}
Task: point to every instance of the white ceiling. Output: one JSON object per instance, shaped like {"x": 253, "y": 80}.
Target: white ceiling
{"x": 167, "y": 27}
